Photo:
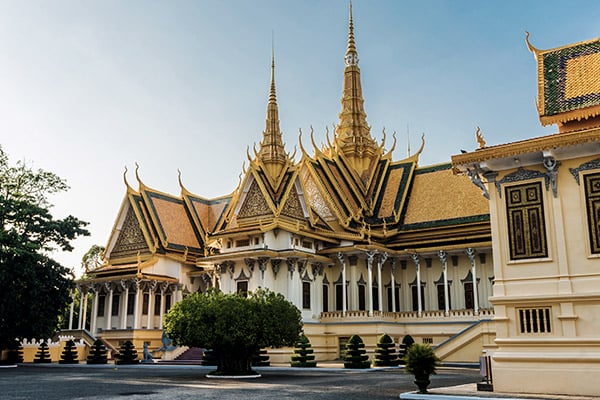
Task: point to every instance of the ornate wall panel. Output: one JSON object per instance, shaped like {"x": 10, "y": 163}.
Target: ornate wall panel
{"x": 526, "y": 223}
{"x": 592, "y": 201}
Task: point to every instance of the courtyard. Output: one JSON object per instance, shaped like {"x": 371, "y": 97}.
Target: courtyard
{"x": 49, "y": 382}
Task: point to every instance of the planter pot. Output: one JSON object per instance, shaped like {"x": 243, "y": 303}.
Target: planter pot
{"x": 422, "y": 382}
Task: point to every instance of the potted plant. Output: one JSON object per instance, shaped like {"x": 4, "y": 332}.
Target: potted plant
{"x": 421, "y": 361}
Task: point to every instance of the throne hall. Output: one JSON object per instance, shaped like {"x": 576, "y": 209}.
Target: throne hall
{"x": 495, "y": 251}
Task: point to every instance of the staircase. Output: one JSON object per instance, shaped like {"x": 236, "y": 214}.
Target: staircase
{"x": 192, "y": 356}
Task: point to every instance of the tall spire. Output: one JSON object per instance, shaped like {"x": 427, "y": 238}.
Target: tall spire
{"x": 353, "y": 134}
{"x": 272, "y": 153}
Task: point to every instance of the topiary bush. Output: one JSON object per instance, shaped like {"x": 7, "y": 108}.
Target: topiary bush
{"x": 69, "y": 354}
{"x": 43, "y": 354}
{"x": 14, "y": 353}
{"x": 127, "y": 354}
{"x": 303, "y": 353}
{"x": 97, "y": 353}
{"x": 407, "y": 341}
{"x": 209, "y": 357}
{"x": 385, "y": 353}
{"x": 356, "y": 355}
{"x": 261, "y": 358}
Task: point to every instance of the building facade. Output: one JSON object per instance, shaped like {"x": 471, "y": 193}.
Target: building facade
{"x": 359, "y": 242}
{"x": 545, "y": 214}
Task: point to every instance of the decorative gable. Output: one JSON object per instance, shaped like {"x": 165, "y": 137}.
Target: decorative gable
{"x": 255, "y": 204}
{"x": 131, "y": 240}
{"x": 293, "y": 207}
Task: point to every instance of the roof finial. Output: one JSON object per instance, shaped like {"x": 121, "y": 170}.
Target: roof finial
{"x": 351, "y": 53}
{"x": 272, "y": 96}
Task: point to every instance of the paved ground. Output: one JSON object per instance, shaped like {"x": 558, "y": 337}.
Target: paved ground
{"x": 178, "y": 382}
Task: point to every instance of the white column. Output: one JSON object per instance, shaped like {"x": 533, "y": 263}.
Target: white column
{"x": 415, "y": 258}
{"x": 150, "y": 310}
{"x": 471, "y": 254}
{"x": 163, "y": 287}
{"x": 125, "y": 307}
{"x": 380, "y": 263}
{"x": 85, "y": 305}
{"x": 72, "y": 309}
{"x": 369, "y": 294}
{"x": 444, "y": 260}
{"x": 344, "y": 305}
{"x": 137, "y": 308}
{"x": 393, "y": 283}
{"x": 94, "y": 315}
{"x": 108, "y": 315}
{"x": 82, "y": 295}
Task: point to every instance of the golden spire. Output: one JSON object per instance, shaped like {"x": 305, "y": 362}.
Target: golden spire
{"x": 353, "y": 136}
{"x": 272, "y": 153}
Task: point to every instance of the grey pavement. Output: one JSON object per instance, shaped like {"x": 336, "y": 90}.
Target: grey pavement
{"x": 148, "y": 382}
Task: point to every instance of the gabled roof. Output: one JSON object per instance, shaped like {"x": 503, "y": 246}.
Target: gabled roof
{"x": 439, "y": 198}
{"x": 568, "y": 82}
{"x": 172, "y": 221}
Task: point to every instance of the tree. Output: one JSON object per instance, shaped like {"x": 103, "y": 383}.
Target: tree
{"x": 93, "y": 258}
{"x": 385, "y": 352}
{"x": 233, "y": 326}
{"x": 35, "y": 288}
{"x": 356, "y": 355}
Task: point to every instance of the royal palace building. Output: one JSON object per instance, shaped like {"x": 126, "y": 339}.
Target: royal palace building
{"x": 494, "y": 252}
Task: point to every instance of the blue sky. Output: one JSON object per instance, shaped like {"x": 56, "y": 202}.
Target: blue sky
{"x": 91, "y": 86}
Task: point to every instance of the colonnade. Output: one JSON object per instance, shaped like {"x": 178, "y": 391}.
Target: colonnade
{"x": 123, "y": 288}
{"x": 378, "y": 259}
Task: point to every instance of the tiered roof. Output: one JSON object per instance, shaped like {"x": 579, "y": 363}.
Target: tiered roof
{"x": 349, "y": 190}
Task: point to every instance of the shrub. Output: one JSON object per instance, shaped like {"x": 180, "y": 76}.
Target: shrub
{"x": 407, "y": 341}
{"x": 69, "y": 354}
{"x": 356, "y": 355}
{"x": 97, "y": 353}
{"x": 260, "y": 358}
{"x": 209, "y": 357}
{"x": 43, "y": 354}
{"x": 127, "y": 354}
{"x": 14, "y": 354}
{"x": 385, "y": 353}
{"x": 303, "y": 353}
{"x": 421, "y": 360}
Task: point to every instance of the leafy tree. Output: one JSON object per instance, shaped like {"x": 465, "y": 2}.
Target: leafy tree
{"x": 93, "y": 258}
{"x": 385, "y": 352}
{"x": 35, "y": 288}
{"x": 233, "y": 326}
{"x": 69, "y": 354}
{"x": 356, "y": 355}
{"x": 303, "y": 354}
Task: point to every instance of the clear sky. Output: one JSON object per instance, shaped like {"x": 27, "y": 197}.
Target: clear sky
{"x": 89, "y": 87}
